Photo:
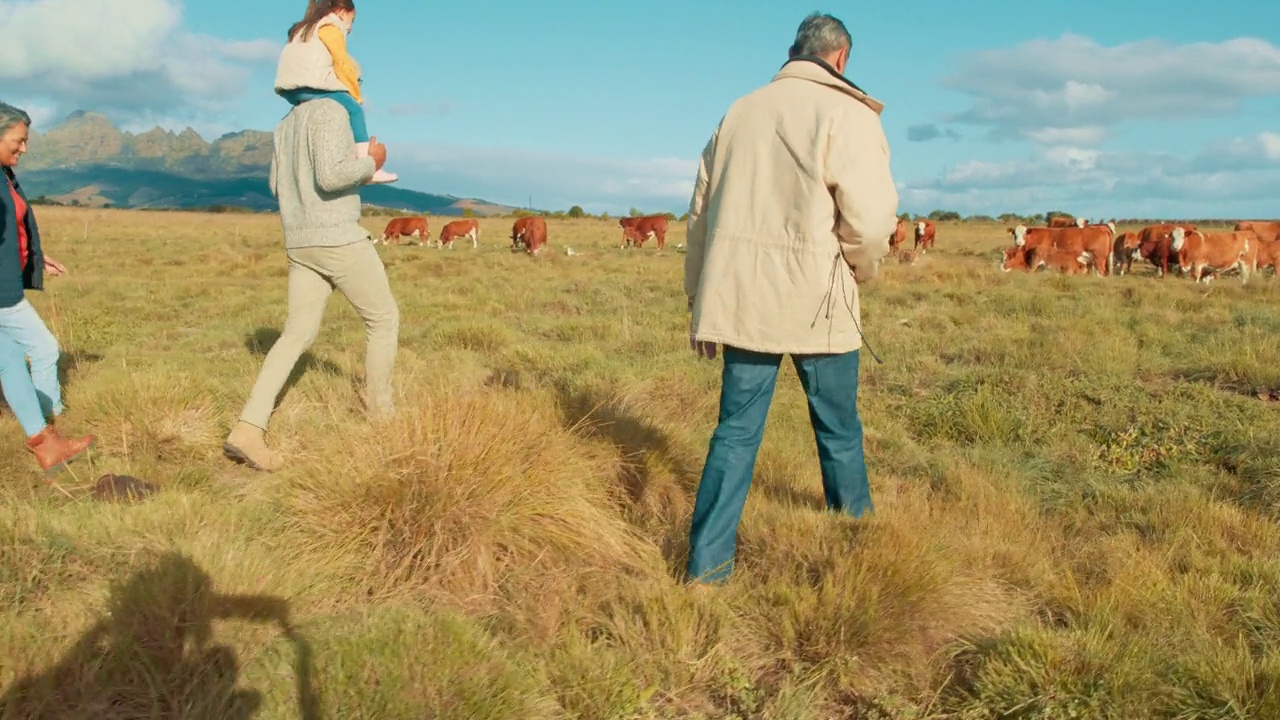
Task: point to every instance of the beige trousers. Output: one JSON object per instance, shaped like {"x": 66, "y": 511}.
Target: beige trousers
{"x": 357, "y": 272}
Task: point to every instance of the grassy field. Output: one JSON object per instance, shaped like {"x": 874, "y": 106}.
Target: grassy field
{"x": 1077, "y": 496}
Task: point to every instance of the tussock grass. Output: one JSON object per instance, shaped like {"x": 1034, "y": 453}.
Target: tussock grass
{"x": 1076, "y": 497}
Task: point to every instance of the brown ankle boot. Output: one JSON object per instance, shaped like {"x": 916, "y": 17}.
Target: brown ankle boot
{"x": 247, "y": 444}
{"x": 52, "y": 450}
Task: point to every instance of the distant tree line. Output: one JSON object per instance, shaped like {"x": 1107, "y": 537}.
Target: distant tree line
{"x": 577, "y": 213}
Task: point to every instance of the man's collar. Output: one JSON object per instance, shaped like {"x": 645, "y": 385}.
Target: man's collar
{"x": 818, "y": 70}
{"x": 825, "y": 66}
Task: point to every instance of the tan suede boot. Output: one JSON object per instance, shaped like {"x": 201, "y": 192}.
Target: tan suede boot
{"x": 52, "y": 450}
{"x": 247, "y": 444}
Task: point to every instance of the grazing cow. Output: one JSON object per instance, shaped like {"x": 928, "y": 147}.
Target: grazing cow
{"x": 406, "y": 227}
{"x": 638, "y": 229}
{"x": 1060, "y": 221}
{"x": 1266, "y": 231}
{"x": 529, "y": 233}
{"x": 925, "y": 231}
{"x": 1199, "y": 252}
{"x": 1029, "y": 259}
{"x": 1068, "y": 262}
{"x": 1097, "y": 240}
{"x": 1020, "y": 256}
{"x": 517, "y": 233}
{"x": 469, "y": 228}
{"x": 1268, "y": 255}
{"x": 633, "y": 236}
{"x": 1014, "y": 258}
{"x": 1154, "y": 243}
{"x": 898, "y": 237}
{"x": 1122, "y": 252}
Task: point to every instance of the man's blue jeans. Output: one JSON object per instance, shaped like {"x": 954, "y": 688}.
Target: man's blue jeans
{"x": 33, "y": 394}
{"x": 358, "y": 128}
{"x": 831, "y": 384}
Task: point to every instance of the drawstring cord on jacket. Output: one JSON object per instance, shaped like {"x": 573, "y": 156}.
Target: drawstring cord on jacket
{"x": 828, "y": 300}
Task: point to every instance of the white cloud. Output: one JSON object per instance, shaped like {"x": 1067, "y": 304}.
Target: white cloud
{"x": 130, "y": 59}
{"x": 43, "y": 114}
{"x": 1067, "y": 91}
{"x": 554, "y": 181}
{"x": 1258, "y": 151}
{"x": 1086, "y": 135}
{"x": 1270, "y": 143}
{"x": 1237, "y": 177}
{"x": 1071, "y": 157}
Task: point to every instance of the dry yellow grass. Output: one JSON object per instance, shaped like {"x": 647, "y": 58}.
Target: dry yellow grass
{"x": 1076, "y": 497}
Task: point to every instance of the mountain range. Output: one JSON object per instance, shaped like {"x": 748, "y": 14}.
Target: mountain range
{"x": 87, "y": 160}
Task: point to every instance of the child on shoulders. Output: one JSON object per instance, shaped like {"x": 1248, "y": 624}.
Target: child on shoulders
{"x": 315, "y": 64}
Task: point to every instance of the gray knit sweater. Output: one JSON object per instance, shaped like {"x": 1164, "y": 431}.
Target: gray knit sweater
{"x": 316, "y": 177}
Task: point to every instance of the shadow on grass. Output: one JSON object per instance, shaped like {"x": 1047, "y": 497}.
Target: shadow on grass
{"x": 262, "y": 340}
{"x": 153, "y": 656}
{"x": 639, "y": 445}
{"x": 69, "y": 361}
{"x": 601, "y": 417}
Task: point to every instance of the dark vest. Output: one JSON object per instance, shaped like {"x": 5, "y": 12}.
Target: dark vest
{"x": 14, "y": 278}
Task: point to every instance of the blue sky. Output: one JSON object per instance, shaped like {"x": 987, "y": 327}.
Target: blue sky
{"x": 1116, "y": 109}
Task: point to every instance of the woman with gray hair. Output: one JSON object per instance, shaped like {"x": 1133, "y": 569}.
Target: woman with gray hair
{"x": 33, "y": 394}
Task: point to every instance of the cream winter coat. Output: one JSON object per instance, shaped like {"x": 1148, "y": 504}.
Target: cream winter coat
{"x": 308, "y": 64}
{"x": 793, "y": 201}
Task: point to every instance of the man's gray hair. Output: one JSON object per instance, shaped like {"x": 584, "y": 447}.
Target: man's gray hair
{"x": 10, "y": 116}
{"x": 820, "y": 34}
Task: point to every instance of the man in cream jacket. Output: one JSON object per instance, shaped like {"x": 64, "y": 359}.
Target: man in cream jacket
{"x": 793, "y": 207}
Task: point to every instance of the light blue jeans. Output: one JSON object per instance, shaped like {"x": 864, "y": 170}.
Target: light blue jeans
{"x": 32, "y": 393}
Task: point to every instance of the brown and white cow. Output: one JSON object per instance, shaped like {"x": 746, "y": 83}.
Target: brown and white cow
{"x": 1060, "y": 221}
{"x": 529, "y": 233}
{"x": 1030, "y": 259}
{"x": 633, "y": 236}
{"x": 469, "y": 228}
{"x": 1068, "y": 262}
{"x": 1269, "y": 255}
{"x": 1097, "y": 240}
{"x": 925, "y": 232}
{"x": 1122, "y": 252}
{"x": 517, "y": 233}
{"x": 898, "y": 238}
{"x": 1266, "y": 231}
{"x": 405, "y": 227}
{"x": 638, "y": 229}
{"x": 1014, "y": 258}
{"x": 1200, "y": 253}
{"x": 1154, "y": 244}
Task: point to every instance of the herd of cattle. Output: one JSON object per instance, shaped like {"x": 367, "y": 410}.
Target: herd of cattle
{"x": 1070, "y": 246}
{"x": 527, "y": 233}
{"x": 1074, "y": 247}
